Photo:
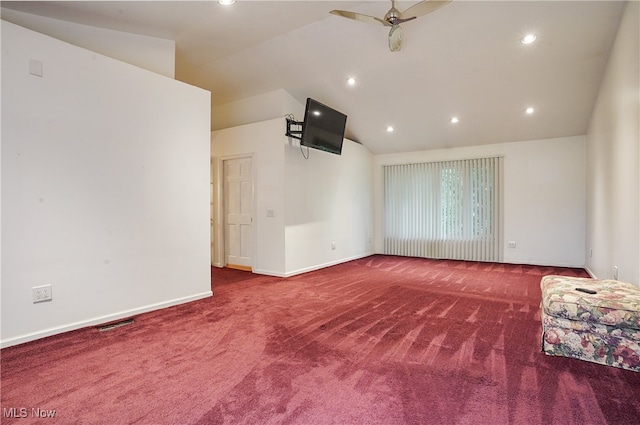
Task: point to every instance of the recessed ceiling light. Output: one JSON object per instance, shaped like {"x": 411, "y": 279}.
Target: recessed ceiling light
{"x": 528, "y": 39}
{"x": 454, "y": 120}
{"x": 389, "y": 129}
{"x": 226, "y": 2}
{"x": 529, "y": 110}
{"x": 351, "y": 81}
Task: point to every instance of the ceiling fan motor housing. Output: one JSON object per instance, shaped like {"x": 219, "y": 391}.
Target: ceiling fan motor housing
{"x": 392, "y": 15}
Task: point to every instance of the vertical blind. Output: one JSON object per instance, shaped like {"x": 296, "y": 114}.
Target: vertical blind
{"x": 443, "y": 209}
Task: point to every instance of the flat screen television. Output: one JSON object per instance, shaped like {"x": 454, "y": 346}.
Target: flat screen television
{"x": 323, "y": 127}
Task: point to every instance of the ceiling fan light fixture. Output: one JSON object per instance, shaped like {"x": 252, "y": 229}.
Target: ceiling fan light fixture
{"x": 226, "y": 2}
{"x": 528, "y": 39}
{"x": 395, "y": 38}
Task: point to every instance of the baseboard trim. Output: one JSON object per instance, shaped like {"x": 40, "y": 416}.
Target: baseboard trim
{"x": 268, "y": 273}
{"x": 592, "y": 274}
{"x": 329, "y": 264}
{"x": 312, "y": 268}
{"x": 100, "y": 320}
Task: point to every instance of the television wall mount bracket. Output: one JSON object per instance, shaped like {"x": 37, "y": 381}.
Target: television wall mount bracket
{"x": 296, "y": 134}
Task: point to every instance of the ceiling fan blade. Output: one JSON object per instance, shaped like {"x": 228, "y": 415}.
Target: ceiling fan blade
{"x": 424, "y": 7}
{"x": 359, "y": 17}
{"x": 399, "y": 21}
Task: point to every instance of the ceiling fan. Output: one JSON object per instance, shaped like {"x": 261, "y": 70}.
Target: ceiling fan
{"x": 393, "y": 18}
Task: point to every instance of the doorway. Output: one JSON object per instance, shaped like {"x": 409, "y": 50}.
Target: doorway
{"x": 238, "y": 212}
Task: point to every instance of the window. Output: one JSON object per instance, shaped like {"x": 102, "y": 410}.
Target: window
{"x": 443, "y": 209}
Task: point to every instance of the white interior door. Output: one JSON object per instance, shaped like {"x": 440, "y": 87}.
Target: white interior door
{"x": 238, "y": 209}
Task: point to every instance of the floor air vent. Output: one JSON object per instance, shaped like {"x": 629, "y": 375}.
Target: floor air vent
{"x": 113, "y": 325}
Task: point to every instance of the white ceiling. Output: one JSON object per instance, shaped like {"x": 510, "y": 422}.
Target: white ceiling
{"x": 463, "y": 60}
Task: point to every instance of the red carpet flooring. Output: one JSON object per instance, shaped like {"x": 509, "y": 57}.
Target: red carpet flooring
{"x": 381, "y": 340}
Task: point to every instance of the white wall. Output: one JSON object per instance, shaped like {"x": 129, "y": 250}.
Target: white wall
{"x": 328, "y": 199}
{"x": 613, "y": 160}
{"x": 267, "y": 106}
{"x": 150, "y": 53}
{"x": 264, "y": 141}
{"x": 543, "y": 196}
{"x": 105, "y": 174}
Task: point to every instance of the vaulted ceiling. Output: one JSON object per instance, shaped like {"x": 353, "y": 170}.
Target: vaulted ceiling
{"x": 464, "y": 60}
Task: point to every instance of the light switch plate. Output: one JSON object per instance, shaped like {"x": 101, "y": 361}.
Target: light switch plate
{"x": 35, "y": 67}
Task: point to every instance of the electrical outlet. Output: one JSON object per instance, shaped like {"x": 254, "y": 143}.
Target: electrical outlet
{"x": 333, "y": 246}
{"x": 41, "y": 293}
{"x": 615, "y": 273}
{"x": 511, "y": 244}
